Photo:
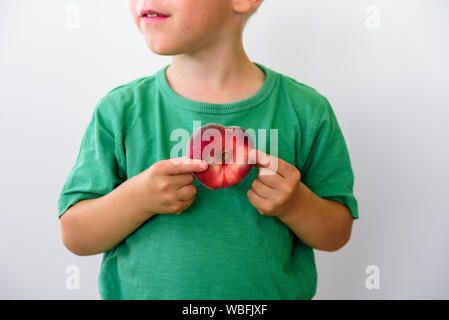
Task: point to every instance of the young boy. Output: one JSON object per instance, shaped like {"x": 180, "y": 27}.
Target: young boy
{"x": 165, "y": 235}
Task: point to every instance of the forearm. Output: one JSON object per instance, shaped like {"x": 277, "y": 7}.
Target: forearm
{"x": 320, "y": 223}
{"x": 96, "y": 225}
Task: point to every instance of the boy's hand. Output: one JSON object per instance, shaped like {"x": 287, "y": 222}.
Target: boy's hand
{"x": 166, "y": 186}
{"x": 275, "y": 192}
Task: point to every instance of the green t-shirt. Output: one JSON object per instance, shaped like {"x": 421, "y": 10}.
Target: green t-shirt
{"x": 220, "y": 247}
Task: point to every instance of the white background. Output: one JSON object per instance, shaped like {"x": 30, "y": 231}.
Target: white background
{"x": 382, "y": 64}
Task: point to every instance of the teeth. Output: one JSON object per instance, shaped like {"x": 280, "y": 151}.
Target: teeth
{"x": 151, "y": 15}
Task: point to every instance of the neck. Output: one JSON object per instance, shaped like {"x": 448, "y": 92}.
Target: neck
{"x": 214, "y": 67}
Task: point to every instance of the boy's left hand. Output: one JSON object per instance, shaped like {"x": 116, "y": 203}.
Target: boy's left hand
{"x": 276, "y": 190}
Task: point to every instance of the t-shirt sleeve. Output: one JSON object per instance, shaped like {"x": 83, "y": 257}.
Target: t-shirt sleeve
{"x": 96, "y": 170}
{"x": 327, "y": 170}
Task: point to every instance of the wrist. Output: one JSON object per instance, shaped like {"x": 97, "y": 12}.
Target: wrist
{"x": 295, "y": 209}
{"x": 137, "y": 198}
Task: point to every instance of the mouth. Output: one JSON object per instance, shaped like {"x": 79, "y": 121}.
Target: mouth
{"x": 152, "y": 15}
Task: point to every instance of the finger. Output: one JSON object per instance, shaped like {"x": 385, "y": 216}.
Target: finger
{"x": 274, "y": 181}
{"x": 258, "y": 202}
{"x": 269, "y": 164}
{"x": 181, "y": 165}
{"x": 182, "y": 179}
{"x": 186, "y": 192}
{"x": 263, "y": 190}
{"x": 184, "y": 204}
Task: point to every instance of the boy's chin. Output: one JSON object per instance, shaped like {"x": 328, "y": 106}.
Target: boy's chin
{"x": 162, "y": 50}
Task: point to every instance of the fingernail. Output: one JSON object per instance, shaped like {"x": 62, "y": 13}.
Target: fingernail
{"x": 203, "y": 165}
{"x": 252, "y": 155}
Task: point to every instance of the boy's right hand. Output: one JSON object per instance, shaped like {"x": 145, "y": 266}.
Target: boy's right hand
{"x": 166, "y": 186}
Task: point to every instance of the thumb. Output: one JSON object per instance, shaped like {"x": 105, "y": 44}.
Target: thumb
{"x": 266, "y": 163}
{"x": 259, "y": 158}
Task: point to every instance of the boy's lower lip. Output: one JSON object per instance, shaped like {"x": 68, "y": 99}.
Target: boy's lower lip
{"x": 154, "y": 19}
